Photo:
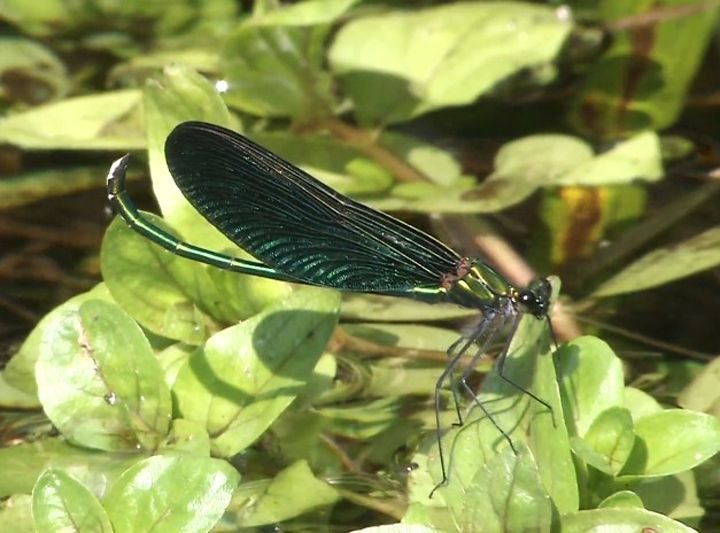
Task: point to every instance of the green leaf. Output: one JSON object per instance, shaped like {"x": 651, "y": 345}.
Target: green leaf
{"x": 306, "y": 13}
{"x": 703, "y": 394}
{"x": 171, "y": 492}
{"x": 585, "y": 453}
{"x": 298, "y": 434}
{"x": 10, "y": 397}
{"x": 624, "y": 499}
{"x": 99, "y": 381}
{"x": 396, "y": 377}
{"x": 411, "y": 336}
{"x": 389, "y": 309}
{"x": 36, "y": 18}
{"x": 422, "y": 513}
{"x": 401, "y": 64}
{"x": 621, "y": 521}
{"x": 425, "y": 197}
{"x": 29, "y": 187}
{"x": 104, "y": 25}
{"x": 188, "y": 436}
{"x": 106, "y": 121}
{"x": 592, "y": 381}
{"x": 611, "y": 435}
{"x": 135, "y": 270}
{"x": 20, "y": 370}
{"x": 153, "y": 62}
{"x": 666, "y": 264}
{"x": 364, "y": 419}
{"x": 640, "y": 403}
{"x": 575, "y": 233}
{"x": 321, "y": 380}
{"x": 42, "y": 75}
{"x": 507, "y": 494}
{"x": 60, "y": 502}
{"x": 337, "y": 164}
{"x": 248, "y": 374}
{"x": 276, "y": 71}
{"x": 411, "y": 372}
{"x": 523, "y": 165}
{"x": 642, "y": 79}
{"x": 226, "y": 296}
{"x": 397, "y": 528}
{"x": 282, "y": 500}
{"x": 672, "y": 441}
{"x": 22, "y": 464}
{"x": 637, "y": 158}
{"x": 675, "y": 496}
{"x": 180, "y": 95}
{"x": 437, "y": 164}
{"x": 172, "y": 359}
{"x": 16, "y": 513}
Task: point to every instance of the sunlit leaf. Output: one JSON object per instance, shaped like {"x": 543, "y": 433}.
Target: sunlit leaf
{"x": 61, "y": 502}
{"x": 672, "y": 441}
{"x": 641, "y": 80}
{"x": 335, "y": 163}
{"x": 637, "y": 158}
{"x": 281, "y": 500}
{"x": 507, "y": 493}
{"x": 248, "y": 374}
{"x": 306, "y": 13}
{"x": 611, "y": 435}
{"x": 99, "y": 381}
{"x": 592, "y": 381}
{"x": 181, "y": 94}
{"x": 22, "y": 465}
{"x": 172, "y": 492}
{"x": 441, "y": 56}
{"x": 623, "y": 499}
{"x": 95, "y": 122}
{"x": 135, "y": 271}
{"x": 622, "y": 521}
{"x": 20, "y": 370}
{"x": 16, "y": 513}
{"x": 703, "y": 394}
{"x": 666, "y": 264}
{"x": 276, "y": 71}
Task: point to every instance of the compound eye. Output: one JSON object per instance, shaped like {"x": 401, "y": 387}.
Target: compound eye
{"x": 534, "y": 303}
{"x": 527, "y": 298}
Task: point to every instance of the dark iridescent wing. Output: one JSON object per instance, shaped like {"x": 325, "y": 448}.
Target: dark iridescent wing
{"x": 295, "y": 224}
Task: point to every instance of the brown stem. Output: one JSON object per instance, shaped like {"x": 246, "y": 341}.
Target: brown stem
{"x": 366, "y": 143}
{"x": 660, "y": 14}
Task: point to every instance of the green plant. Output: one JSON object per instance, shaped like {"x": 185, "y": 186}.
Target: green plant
{"x": 194, "y": 399}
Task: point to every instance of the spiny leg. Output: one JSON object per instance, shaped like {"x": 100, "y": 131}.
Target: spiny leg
{"x": 501, "y": 367}
{"x": 447, "y": 373}
{"x": 477, "y": 334}
{"x": 469, "y": 369}
{"x": 453, "y": 389}
{"x": 466, "y": 343}
{"x": 438, "y": 387}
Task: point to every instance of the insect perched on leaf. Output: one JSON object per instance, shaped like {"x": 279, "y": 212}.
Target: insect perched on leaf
{"x": 302, "y": 231}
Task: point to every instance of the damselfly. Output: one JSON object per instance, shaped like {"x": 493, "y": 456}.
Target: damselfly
{"x": 302, "y": 231}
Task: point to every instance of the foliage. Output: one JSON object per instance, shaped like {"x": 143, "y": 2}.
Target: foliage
{"x": 196, "y": 399}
